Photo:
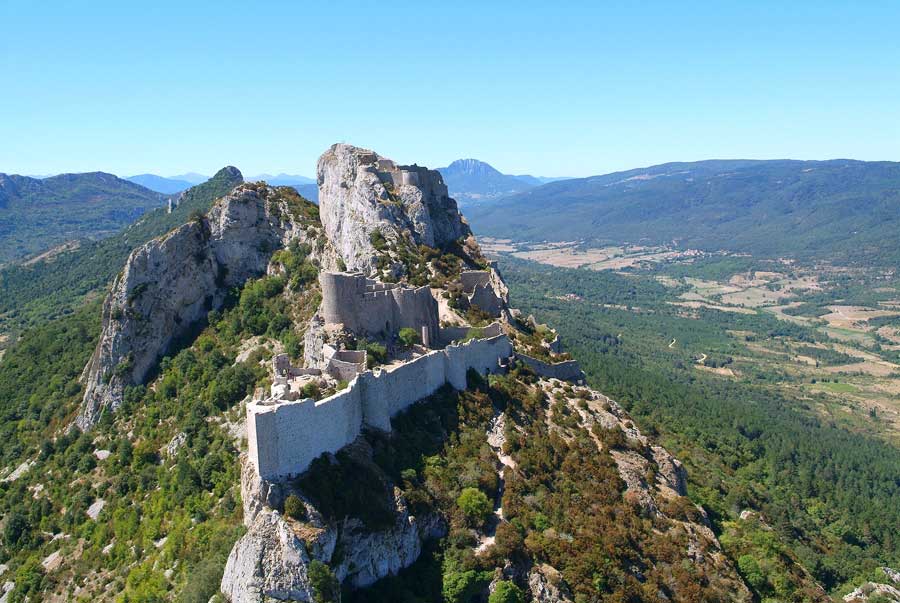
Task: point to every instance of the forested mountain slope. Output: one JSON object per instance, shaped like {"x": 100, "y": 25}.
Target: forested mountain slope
{"x": 791, "y": 487}
{"x": 846, "y": 210}
{"x": 146, "y": 505}
{"x": 38, "y": 213}
{"x": 55, "y": 285}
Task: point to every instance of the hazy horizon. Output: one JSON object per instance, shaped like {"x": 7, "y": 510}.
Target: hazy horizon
{"x": 169, "y": 88}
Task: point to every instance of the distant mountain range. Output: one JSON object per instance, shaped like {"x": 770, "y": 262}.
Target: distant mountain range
{"x": 167, "y": 186}
{"x": 282, "y": 179}
{"x": 839, "y": 210}
{"x": 39, "y": 213}
{"x": 192, "y": 177}
{"x": 471, "y": 181}
{"x": 176, "y": 184}
{"x": 40, "y": 289}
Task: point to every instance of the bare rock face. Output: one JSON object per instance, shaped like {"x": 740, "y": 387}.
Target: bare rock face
{"x": 361, "y": 192}
{"x": 172, "y": 282}
{"x": 270, "y": 562}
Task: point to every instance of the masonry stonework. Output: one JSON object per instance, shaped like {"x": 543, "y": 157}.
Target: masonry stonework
{"x": 368, "y": 307}
{"x": 285, "y": 436}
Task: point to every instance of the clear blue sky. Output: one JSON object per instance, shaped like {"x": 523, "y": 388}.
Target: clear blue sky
{"x": 547, "y": 88}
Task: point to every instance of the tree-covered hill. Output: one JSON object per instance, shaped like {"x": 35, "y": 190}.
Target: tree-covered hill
{"x": 37, "y": 214}
{"x": 847, "y": 211}
{"x": 54, "y": 286}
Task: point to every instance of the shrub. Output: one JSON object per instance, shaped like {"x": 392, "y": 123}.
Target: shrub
{"x": 325, "y": 585}
{"x": 408, "y": 336}
{"x": 378, "y": 241}
{"x": 506, "y": 592}
{"x": 293, "y": 507}
{"x": 474, "y": 504}
{"x": 376, "y": 354}
{"x": 460, "y": 585}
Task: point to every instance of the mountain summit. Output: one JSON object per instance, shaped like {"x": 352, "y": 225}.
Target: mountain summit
{"x": 474, "y": 181}
{"x": 287, "y": 401}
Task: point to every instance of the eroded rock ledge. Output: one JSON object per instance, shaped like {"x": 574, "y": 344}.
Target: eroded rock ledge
{"x": 271, "y": 561}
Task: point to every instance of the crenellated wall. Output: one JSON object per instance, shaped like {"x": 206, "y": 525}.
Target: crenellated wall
{"x": 285, "y": 436}
{"x": 370, "y": 308}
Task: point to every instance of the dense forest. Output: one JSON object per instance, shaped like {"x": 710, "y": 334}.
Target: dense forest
{"x": 828, "y": 493}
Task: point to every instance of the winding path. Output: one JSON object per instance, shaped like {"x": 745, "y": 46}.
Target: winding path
{"x": 495, "y": 441}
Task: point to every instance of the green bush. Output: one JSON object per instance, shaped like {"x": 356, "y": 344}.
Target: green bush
{"x": 474, "y": 504}
{"x": 506, "y": 592}
{"x": 408, "y": 336}
{"x": 378, "y": 241}
{"x": 325, "y": 585}
{"x": 377, "y": 354}
{"x": 293, "y": 507}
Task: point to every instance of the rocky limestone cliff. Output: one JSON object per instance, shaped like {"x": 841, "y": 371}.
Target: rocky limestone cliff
{"x": 361, "y": 192}
{"x": 271, "y": 560}
{"x": 171, "y": 283}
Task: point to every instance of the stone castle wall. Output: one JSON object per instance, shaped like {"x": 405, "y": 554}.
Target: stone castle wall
{"x": 568, "y": 370}
{"x": 285, "y": 437}
{"x": 478, "y": 285}
{"x": 469, "y": 279}
{"x": 369, "y": 308}
{"x": 451, "y": 334}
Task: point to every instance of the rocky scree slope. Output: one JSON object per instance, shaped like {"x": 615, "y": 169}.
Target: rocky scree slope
{"x": 170, "y": 284}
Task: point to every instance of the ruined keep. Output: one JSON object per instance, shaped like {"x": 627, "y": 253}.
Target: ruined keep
{"x": 478, "y": 285}
{"x": 367, "y": 307}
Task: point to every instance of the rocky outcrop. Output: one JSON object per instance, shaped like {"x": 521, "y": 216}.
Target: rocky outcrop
{"x": 878, "y": 591}
{"x": 271, "y": 560}
{"x": 546, "y": 585}
{"x": 171, "y": 283}
{"x": 268, "y": 562}
{"x": 361, "y": 192}
{"x": 874, "y": 591}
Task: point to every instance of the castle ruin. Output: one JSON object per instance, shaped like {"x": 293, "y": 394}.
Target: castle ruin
{"x": 285, "y": 435}
{"x": 369, "y": 308}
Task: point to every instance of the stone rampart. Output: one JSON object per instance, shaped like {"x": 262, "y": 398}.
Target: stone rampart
{"x": 480, "y": 287}
{"x": 285, "y": 436}
{"x": 469, "y": 279}
{"x": 451, "y": 334}
{"x": 347, "y": 364}
{"x": 568, "y": 370}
